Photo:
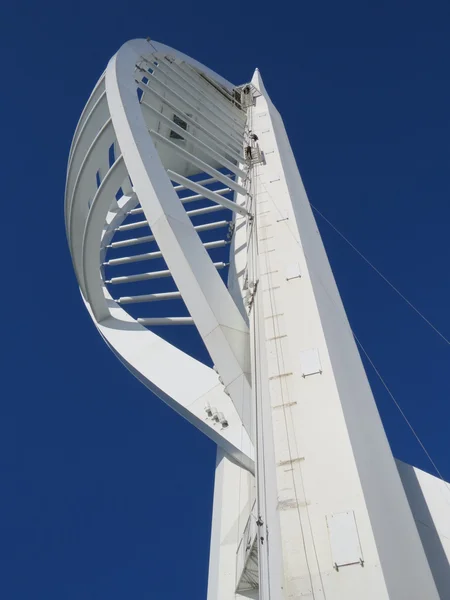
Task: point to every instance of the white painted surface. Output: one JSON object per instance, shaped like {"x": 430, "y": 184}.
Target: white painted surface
{"x": 92, "y": 215}
{"x": 331, "y": 452}
{"x": 293, "y": 271}
{"x": 310, "y": 362}
{"x": 328, "y": 487}
{"x": 429, "y": 499}
{"x": 344, "y": 539}
{"x": 233, "y": 498}
{"x": 220, "y": 324}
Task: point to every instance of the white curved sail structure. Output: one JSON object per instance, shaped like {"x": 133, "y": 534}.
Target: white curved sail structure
{"x": 186, "y": 216}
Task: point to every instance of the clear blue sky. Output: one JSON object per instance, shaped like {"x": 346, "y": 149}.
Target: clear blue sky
{"x": 105, "y": 494}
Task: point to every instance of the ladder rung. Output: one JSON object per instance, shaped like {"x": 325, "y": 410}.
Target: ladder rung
{"x": 154, "y": 321}
{"x": 149, "y": 298}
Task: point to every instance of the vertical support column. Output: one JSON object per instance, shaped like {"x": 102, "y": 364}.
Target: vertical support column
{"x": 340, "y": 511}
{"x": 233, "y": 498}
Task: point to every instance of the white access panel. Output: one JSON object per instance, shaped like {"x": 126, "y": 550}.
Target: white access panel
{"x": 293, "y": 271}
{"x": 344, "y": 539}
{"x": 310, "y": 362}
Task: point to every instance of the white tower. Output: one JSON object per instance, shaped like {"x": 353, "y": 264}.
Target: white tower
{"x": 308, "y": 501}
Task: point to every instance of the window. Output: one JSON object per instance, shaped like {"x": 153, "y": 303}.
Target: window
{"x": 173, "y": 134}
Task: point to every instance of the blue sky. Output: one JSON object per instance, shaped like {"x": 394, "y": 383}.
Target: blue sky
{"x": 105, "y": 492}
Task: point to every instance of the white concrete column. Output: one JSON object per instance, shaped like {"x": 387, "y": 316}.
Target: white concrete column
{"x": 346, "y": 527}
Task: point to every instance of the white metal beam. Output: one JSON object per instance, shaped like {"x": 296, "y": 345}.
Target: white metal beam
{"x": 149, "y": 298}
{"x": 151, "y": 238}
{"x": 151, "y": 275}
{"x": 205, "y": 167}
{"x": 157, "y": 321}
{"x": 126, "y": 260}
{"x": 221, "y": 325}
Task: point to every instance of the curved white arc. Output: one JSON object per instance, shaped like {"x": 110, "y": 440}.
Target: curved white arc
{"x": 86, "y": 171}
{"x": 91, "y": 281}
{"x": 98, "y": 91}
{"x": 154, "y": 361}
{"x": 215, "y": 314}
{"x": 150, "y": 358}
{"x": 95, "y": 121}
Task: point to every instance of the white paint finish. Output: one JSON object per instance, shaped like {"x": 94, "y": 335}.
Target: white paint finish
{"x": 225, "y": 133}
{"x": 90, "y": 277}
{"x": 310, "y": 362}
{"x": 85, "y": 188}
{"x": 217, "y": 318}
{"x": 331, "y": 452}
{"x": 233, "y": 498}
{"x": 344, "y": 539}
{"x": 211, "y": 137}
{"x": 203, "y": 166}
{"x": 429, "y": 499}
{"x": 293, "y": 271}
{"x": 133, "y": 344}
{"x": 98, "y": 91}
{"x": 206, "y": 193}
{"x": 92, "y": 217}
{"x": 231, "y": 113}
{"x": 321, "y": 446}
{"x": 91, "y": 128}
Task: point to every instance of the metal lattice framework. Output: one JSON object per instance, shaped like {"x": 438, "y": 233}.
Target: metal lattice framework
{"x": 162, "y": 133}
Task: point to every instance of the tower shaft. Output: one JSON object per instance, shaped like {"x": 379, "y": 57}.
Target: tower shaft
{"x": 332, "y": 518}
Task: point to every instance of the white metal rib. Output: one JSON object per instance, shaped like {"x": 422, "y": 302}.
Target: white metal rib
{"x": 235, "y": 141}
{"x": 151, "y": 275}
{"x": 225, "y": 106}
{"x": 126, "y": 260}
{"x": 199, "y": 163}
{"x": 149, "y": 298}
{"x": 154, "y": 321}
{"x": 178, "y": 188}
{"x": 204, "y": 211}
{"x": 215, "y": 112}
{"x": 216, "y": 132}
{"x": 151, "y": 238}
{"x": 139, "y": 211}
{"x": 190, "y": 213}
{"x": 194, "y": 140}
{"x": 213, "y": 196}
